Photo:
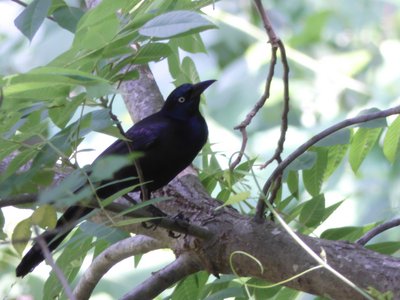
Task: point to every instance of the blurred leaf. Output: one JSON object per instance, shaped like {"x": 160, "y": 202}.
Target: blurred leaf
{"x": 292, "y": 181}
{"x": 348, "y": 233}
{"x": 236, "y": 198}
{"x": 67, "y": 189}
{"x": 29, "y": 21}
{"x": 45, "y": 217}
{"x": 338, "y": 138}
{"x": 388, "y": 248}
{"x": 362, "y": 143}
{"x": 330, "y": 210}
{"x": 312, "y": 212}
{"x": 191, "y": 287}
{"x": 21, "y": 235}
{"x": 314, "y": 25}
{"x": 175, "y": 23}
{"x": 105, "y": 167}
{"x": 68, "y": 17}
{"x": 391, "y": 142}
{"x": 99, "y": 26}
{"x": 152, "y": 52}
{"x": 286, "y": 293}
{"x": 70, "y": 261}
{"x": 61, "y": 115}
{"x": 303, "y": 162}
{"x": 377, "y": 123}
{"x": 335, "y": 157}
{"x": 104, "y": 233}
{"x": 190, "y": 43}
{"x": 3, "y": 235}
{"x": 230, "y": 292}
{"x": 313, "y": 177}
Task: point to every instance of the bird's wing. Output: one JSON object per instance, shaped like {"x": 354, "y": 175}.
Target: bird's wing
{"x": 143, "y": 135}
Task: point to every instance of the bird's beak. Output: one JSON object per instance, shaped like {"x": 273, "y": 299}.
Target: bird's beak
{"x": 200, "y": 87}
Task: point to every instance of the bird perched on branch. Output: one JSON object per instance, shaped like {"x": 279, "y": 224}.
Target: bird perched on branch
{"x": 169, "y": 140}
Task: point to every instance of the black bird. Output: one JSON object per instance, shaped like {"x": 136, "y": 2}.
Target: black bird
{"x": 169, "y": 141}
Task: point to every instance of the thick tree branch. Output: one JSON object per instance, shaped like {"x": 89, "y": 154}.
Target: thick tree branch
{"x": 182, "y": 267}
{"x": 138, "y": 244}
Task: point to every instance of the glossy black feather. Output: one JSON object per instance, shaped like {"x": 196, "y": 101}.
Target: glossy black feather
{"x": 169, "y": 140}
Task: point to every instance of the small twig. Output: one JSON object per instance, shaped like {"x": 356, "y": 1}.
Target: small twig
{"x": 285, "y": 111}
{"x": 49, "y": 259}
{"x": 260, "y": 103}
{"x": 377, "y": 230}
{"x": 316, "y": 138}
{"x": 273, "y": 39}
{"x": 275, "y": 45}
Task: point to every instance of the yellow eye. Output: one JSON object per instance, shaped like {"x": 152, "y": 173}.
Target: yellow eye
{"x": 181, "y": 99}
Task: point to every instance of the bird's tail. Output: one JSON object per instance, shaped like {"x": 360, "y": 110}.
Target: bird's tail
{"x": 52, "y": 238}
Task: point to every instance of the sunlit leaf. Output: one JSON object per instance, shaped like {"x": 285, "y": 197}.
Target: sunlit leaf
{"x": 21, "y": 235}
{"x": 314, "y": 177}
{"x": 362, "y": 143}
{"x": 391, "y": 143}
{"x": 45, "y": 217}
{"x": 312, "y": 212}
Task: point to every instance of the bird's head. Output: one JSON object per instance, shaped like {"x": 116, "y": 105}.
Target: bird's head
{"x": 183, "y": 102}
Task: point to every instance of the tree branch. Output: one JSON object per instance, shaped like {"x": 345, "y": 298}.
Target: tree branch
{"x": 128, "y": 247}
{"x": 316, "y": 138}
{"x": 377, "y": 230}
{"x": 182, "y": 267}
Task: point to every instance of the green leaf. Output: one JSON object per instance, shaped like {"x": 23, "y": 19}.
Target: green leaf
{"x": 348, "y": 233}
{"x": 229, "y": 292}
{"x": 303, "y": 162}
{"x": 70, "y": 261}
{"x": 312, "y": 212}
{"x": 68, "y": 17}
{"x": 191, "y": 287}
{"x": 330, "y": 210}
{"x": 62, "y": 114}
{"x": 335, "y": 157}
{"x": 175, "y": 23}
{"x": 103, "y": 233}
{"x": 65, "y": 192}
{"x": 190, "y": 43}
{"x": 96, "y": 30}
{"x": 388, "y": 248}
{"x": 21, "y": 235}
{"x": 105, "y": 167}
{"x": 3, "y": 235}
{"x": 152, "y": 52}
{"x": 292, "y": 181}
{"x": 45, "y": 217}
{"x": 363, "y": 141}
{"x": 377, "y": 123}
{"x": 29, "y": 21}
{"x": 235, "y": 198}
{"x": 391, "y": 143}
{"x": 313, "y": 177}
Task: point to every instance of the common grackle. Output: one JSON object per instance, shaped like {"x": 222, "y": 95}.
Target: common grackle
{"x": 169, "y": 141}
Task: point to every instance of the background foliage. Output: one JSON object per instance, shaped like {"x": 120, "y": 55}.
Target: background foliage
{"x": 60, "y": 86}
